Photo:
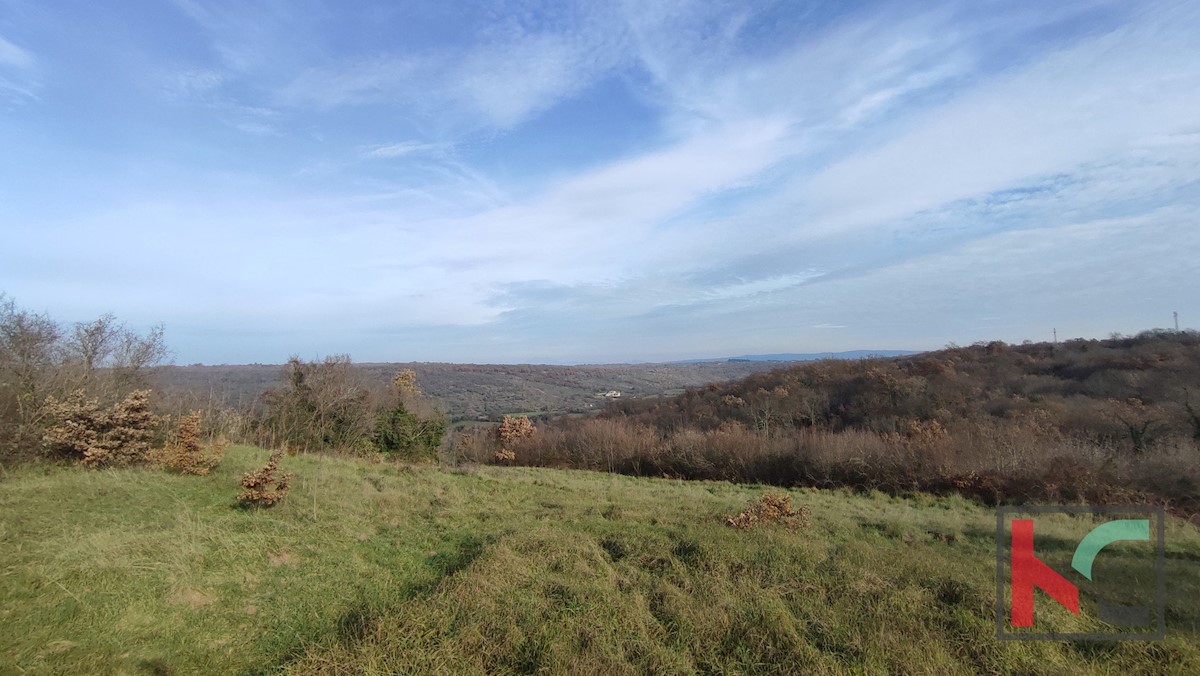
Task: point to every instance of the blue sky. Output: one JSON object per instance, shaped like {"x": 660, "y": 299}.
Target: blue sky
{"x": 560, "y": 182}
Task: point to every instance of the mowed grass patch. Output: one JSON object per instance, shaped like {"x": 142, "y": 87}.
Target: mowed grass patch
{"x": 387, "y": 568}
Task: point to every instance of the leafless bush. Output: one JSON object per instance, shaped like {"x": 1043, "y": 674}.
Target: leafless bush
{"x": 324, "y": 405}
{"x": 28, "y": 357}
{"x": 40, "y": 362}
{"x": 473, "y": 445}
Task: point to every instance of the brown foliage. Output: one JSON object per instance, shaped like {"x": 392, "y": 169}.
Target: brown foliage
{"x": 42, "y": 363}
{"x": 257, "y": 486}
{"x": 771, "y": 508}
{"x": 117, "y": 436}
{"x": 513, "y": 429}
{"x": 405, "y": 383}
{"x": 186, "y": 453}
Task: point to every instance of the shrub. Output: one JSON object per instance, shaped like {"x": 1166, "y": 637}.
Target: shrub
{"x": 257, "y": 488}
{"x": 513, "y": 429}
{"x": 76, "y": 430}
{"x": 333, "y": 405}
{"x": 771, "y": 508}
{"x": 471, "y": 445}
{"x": 186, "y": 454}
{"x": 401, "y": 433}
{"x": 42, "y": 359}
{"x": 83, "y": 431}
{"x": 325, "y": 405}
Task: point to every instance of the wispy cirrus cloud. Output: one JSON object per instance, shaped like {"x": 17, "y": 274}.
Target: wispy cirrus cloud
{"x": 19, "y": 78}
{"x": 403, "y": 149}
{"x": 255, "y": 38}
{"x": 501, "y": 80}
{"x": 511, "y": 68}
{"x": 195, "y": 83}
{"x": 1104, "y": 97}
{"x": 1040, "y": 124}
{"x": 770, "y": 177}
{"x": 715, "y": 61}
{"x": 14, "y": 56}
{"x": 209, "y": 89}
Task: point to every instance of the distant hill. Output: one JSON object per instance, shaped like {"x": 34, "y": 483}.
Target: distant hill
{"x": 476, "y": 391}
{"x": 1146, "y": 383}
{"x": 806, "y": 356}
{"x": 1097, "y": 421}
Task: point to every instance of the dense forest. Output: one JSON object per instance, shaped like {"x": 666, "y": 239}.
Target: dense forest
{"x": 1101, "y": 420}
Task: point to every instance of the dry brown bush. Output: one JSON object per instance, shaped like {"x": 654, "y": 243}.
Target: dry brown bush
{"x": 78, "y": 421}
{"x": 999, "y": 423}
{"x": 829, "y": 447}
{"x": 771, "y": 508}
{"x": 43, "y": 362}
{"x": 118, "y": 436}
{"x": 257, "y": 486}
{"x": 186, "y": 453}
{"x": 513, "y": 429}
{"x": 609, "y": 444}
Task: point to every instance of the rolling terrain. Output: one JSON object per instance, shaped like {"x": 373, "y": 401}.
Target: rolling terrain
{"x": 479, "y": 391}
{"x": 386, "y": 568}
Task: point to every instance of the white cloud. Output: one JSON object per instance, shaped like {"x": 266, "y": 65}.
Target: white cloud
{"x": 14, "y": 56}
{"x": 196, "y": 83}
{"x": 505, "y": 76}
{"x": 256, "y": 38}
{"x": 403, "y": 149}
{"x": 19, "y": 79}
{"x": 606, "y": 223}
{"x": 1087, "y": 278}
{"x": 755, "y": 287}
{"x": 854, "y": 176}
{"x": 706, "y": 60}
{"x": 354, "y": 82}
{"x": 207, "y": 87}
{"x": 1105, "y": 97}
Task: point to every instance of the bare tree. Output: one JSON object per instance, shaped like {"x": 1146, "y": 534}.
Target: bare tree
{"x": 134, "y": 354}
{"x": 28, "y": 354}
{"x": 325, "y": 404}
{"x": 94, "y": 342}
{"x": 39, "y": 360}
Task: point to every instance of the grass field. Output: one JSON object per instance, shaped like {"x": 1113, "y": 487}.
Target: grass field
{"x": 382, "y": 568}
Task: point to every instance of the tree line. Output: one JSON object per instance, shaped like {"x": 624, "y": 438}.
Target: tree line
{"x": 85, "y": 392}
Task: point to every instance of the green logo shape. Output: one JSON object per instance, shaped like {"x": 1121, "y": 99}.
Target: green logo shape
{"x": 1103, "y": 535}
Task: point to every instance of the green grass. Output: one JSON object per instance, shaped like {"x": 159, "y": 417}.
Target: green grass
{"x": 383, "y": 568}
